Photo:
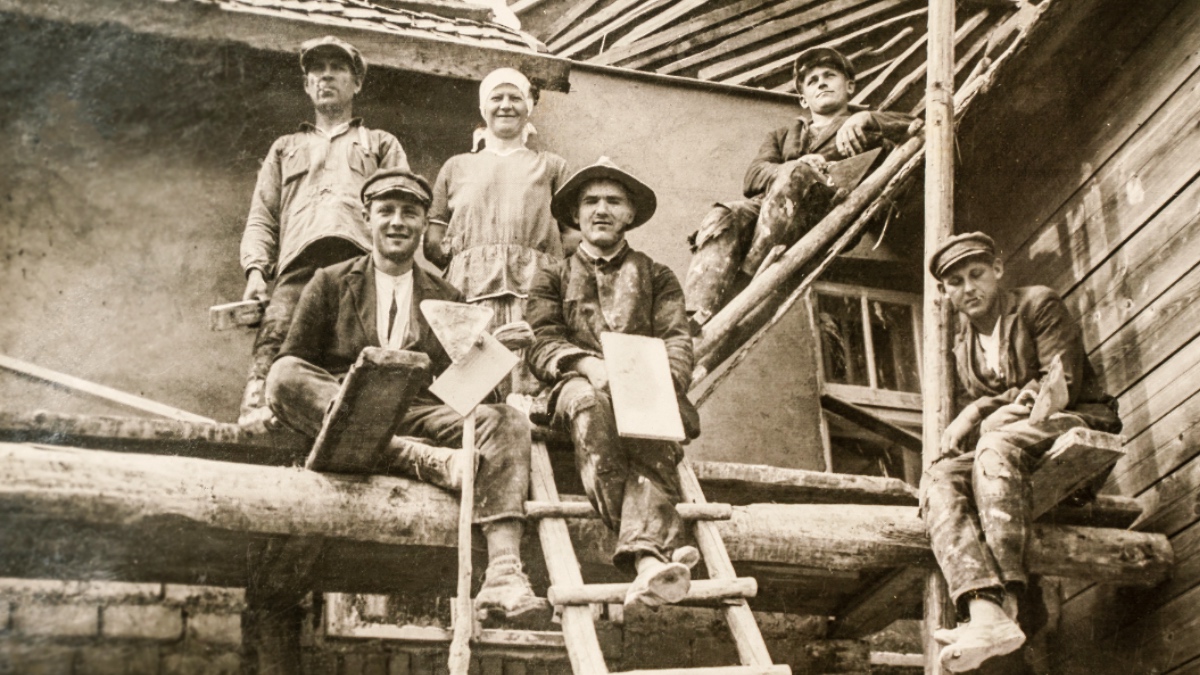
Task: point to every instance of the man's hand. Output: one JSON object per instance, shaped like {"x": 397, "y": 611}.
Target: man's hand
{"x": 852, "y": 137}
{"x": 515, "y": 335}
{"x": 956, "y": 433}
{"x": 256, "y": 286}
{"x": 816, "y": 161}
{"x": 594, "y": 370}
{"x": 1026, "y": 398}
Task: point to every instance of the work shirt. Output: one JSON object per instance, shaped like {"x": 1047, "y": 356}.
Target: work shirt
{"x": 308, "y": 189}
{"x": 575, "y": 300}
{"x": 393, "y": 304}
{"x": 800, "y": 139}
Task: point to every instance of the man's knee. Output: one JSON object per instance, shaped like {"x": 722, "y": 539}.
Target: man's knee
{"x": 578, "y": 396}
{"x": 282, "y": 380}
{"x": 506, "y": 424}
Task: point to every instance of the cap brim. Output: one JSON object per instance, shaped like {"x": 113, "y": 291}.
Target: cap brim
{"x": 329, "y": 47}
{"x": 946, "y": 266}
{"x": 416, "y": 196}
{"x": 566, "y": 199}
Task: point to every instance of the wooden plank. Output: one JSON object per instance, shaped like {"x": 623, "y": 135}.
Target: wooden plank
{"x": 488, "y": 637}
{"x": 235, "y": 314}
{"x": 1171, "y": 504}
{"x": 703, "y": 591}
{"x": 865, "y": 419}
{"x": 601, "y": 32}
{"x": 1118, "y": 199}
{"x": 84, "y": 514}
{"x": 465, "y": 623}
{"x": 410, "y": 51}
{"x": 750, "y": 483}
{"x": 708, "y": 27}
{"x": 785, "y": 63}
{"x": 1151, "y": 336}
{"x": 76, "y": 385}
{"x": 593, "y": 22}
{"x": 1140, "y": 269}
{"x": 536, "y": 510}
{"x": 569, "y": 17}
{"x": 1137, "y": 91}
{"x": 717, "y": 670}
{"x": 579, "y": 629}
{"x": 881, "y": 604}
{"x": 814, "y": 25}
{"x": 373, "y": 398}
{"x": 1077, "y": 458}
{"x": 658, "y": 21}
{"x": 1161, "y": 448}
{"x": 643, "y": 393}
{"x": 1105, "y": 511}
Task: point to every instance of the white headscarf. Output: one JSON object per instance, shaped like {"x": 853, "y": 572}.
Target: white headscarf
{"x": 495, "y": 79}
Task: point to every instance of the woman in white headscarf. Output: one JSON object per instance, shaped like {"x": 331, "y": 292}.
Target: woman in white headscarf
{"x": 490, "y": 224}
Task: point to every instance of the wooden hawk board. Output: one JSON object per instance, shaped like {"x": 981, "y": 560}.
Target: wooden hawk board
{"x": 643, "y": 394}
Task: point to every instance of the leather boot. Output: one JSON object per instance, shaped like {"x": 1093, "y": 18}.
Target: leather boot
{"x": 440, "y": 466}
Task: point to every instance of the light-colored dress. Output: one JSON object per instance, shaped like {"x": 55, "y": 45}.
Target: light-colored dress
{"x": 499, "y": 229}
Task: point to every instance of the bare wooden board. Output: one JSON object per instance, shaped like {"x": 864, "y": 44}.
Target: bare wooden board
{"x": 1077, "y": 458}
{"x": 643, "y": 394}
{"x": 464, "y": 384}
{"x": 374, "y": 396}
{"x": 235, "y": 314}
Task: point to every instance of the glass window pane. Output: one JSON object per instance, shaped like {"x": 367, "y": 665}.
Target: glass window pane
{"x": 843, "y": 350}
{"x": 895, "y": 346}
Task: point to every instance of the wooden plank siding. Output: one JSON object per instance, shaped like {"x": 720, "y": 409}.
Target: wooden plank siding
{"x": 1097, "y": 195}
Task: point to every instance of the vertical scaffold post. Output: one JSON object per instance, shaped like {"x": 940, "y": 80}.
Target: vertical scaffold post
{"x": 937, "y": 387}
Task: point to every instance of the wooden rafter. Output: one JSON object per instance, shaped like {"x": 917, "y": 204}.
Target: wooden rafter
{"x": 694, "y": 32}
{"x": 569, "y": 17}
{"x": 658, "y": 21}
{"x": 817, "y": 27}
{"x": 785, "y": 62}
{"x": 623, "y": 19}
{"x": 592, "y": 23}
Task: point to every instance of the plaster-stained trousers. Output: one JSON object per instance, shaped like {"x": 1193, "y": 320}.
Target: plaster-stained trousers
{"x": 976, "y": 505}
{"x": 632, "y": 483}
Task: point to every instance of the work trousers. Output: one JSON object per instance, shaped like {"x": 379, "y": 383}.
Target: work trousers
{"x": 300, "y": 393}
{"x": 976, "y": 505}
{"x": 277, "y": 317}
{"x": 736, "y": 236}
{"x": 632, "y": 483}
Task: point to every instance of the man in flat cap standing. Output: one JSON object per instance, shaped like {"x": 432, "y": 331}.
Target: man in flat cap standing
{"x": 975, "y": 496}
{"x": 792, "y": 163}
{"x": 305, "y": 213}
{"x": 608, "y": 286}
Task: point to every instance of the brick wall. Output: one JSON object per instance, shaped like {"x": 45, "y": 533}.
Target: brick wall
{"x": 110, "y": 628}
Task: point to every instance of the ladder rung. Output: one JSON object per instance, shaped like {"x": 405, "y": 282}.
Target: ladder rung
{"x": 492, "y": 637}
{"x": 705, "y": 590}
{"x": 719, "y": 670}
{"x": 585, "y": 510}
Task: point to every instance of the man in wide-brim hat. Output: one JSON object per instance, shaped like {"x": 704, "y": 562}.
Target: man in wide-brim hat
{"x": 608, "y": 286}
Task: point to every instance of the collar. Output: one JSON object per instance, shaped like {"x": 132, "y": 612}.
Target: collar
{"x": 601, "y": 261}
{"x": 309, "y": 126}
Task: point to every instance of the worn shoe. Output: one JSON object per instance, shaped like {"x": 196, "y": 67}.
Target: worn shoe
{"x": 665, "y": 585}
{"x": 440, "y": 466}
{"x": 948, "y": 636}
{"x": 976, "y": 643}
{"x": 258, "y": 421}
{"x": 506, "y": 590}
{"x": 687, "y": 555}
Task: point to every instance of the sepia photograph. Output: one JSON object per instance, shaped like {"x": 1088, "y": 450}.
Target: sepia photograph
{"x": 576, "y": 337}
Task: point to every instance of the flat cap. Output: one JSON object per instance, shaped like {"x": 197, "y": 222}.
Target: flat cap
{"x": 822, "y": 56}
{"x": 403, "y": 181}
{"x": 959, "y": 248}
{"x": 330, "y": 43}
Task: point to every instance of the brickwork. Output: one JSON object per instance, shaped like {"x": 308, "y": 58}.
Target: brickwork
{"x": 109, "y": 628}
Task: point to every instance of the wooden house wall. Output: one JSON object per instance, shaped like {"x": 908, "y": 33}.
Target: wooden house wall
{"x": 1093, "y": 190}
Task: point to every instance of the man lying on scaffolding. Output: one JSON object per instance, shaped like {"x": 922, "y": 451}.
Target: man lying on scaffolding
{"x": 787, "y": 187}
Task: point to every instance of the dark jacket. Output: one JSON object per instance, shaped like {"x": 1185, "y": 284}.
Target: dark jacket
{"x": 573, "y": 301}
{"x": 335, "y": 318}
{"x": 796, "y": 140}
{"x": 1036, "y": 327}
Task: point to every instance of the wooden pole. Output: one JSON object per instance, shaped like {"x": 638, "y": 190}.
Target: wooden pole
{"x": 464, "y": 610}
{"x": 937, "y": 386}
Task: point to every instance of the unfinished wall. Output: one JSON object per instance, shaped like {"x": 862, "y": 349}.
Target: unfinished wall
{"x": 1086, "y": 173}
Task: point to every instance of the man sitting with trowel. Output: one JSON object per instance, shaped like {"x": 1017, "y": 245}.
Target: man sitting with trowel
{"x": 588, "y": 313}
{"x": 792, "y": 182}
{"x": 375, "y": 301}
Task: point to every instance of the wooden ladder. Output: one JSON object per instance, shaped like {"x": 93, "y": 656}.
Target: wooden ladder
{"x": 568, "y": 589}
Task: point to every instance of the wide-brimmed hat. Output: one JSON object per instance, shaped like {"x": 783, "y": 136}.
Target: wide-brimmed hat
{"x": 567, "y": 197}
{"x": 822, "y": 56}
{"x": 958, "y": 248}
{"x": 337, "y": 46}
{"x": 396, "y": 181}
